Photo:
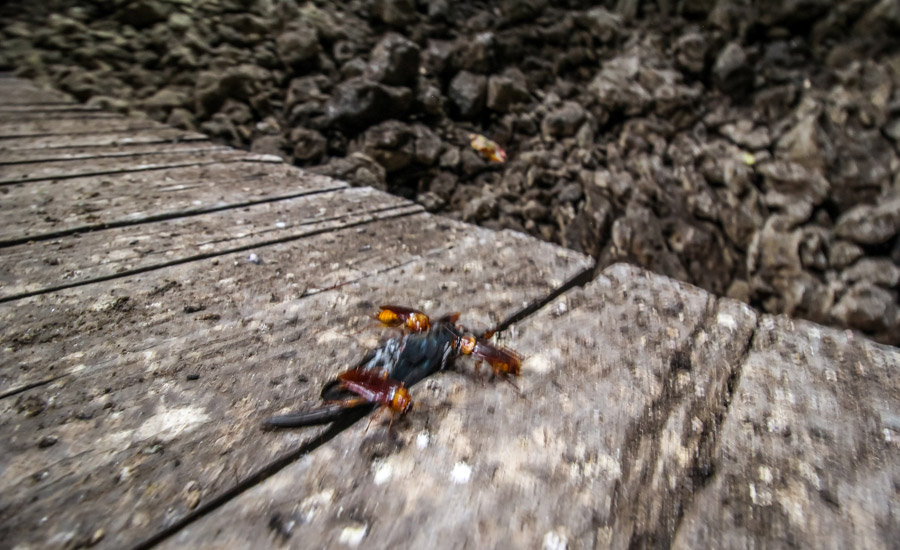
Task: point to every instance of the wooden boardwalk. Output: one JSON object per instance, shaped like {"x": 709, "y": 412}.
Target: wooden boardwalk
{"x": 160, "y": 295}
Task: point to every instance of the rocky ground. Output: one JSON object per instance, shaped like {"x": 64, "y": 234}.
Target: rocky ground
{"x": 747, "y": 146}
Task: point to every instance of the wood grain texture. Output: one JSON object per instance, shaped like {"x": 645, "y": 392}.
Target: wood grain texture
{"x": 35, "y": 210}
{"x": 49, "y": 114}
{"x": 133, "y": 435}
{"x": 604, "y": 426}
{"x": 128, "y": 150}
{"x": 51, "y": 170}
{"x": 160, "y": 297}
{"x": 13, "y": 110}
{"x": 56, "y": 126}
{"x": 14, "y": 91}
{"x": 809, "y": 455}
{"x": 81, "y": 258}
{"x": 102, "y": 139}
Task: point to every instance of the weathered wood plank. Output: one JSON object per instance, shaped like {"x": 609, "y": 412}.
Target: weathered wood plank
{"x": 76, "y": 259}
{"x": 74, "y": 126}
{"x": 55, "y": 114}
{"x": 67, "y": 107}
{"x": 50, "y": 208}
{"x": 125, "y": 137}
{"x": 13, "y": 93}
{"x": 71, "y": 154}
{"x": 612, "y": 376}
{"x": 8, "y": 80}
{"x": 667, "y": 456}
{"x": 13, "y": 380}
{"x": 29, "y": 100}
{"x": 138, "y": 445}
{"x": 17, "y": 173}
{"x": 808, "y": 456}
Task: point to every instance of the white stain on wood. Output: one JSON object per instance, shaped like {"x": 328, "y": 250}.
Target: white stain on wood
{"x": 169, "y": 424}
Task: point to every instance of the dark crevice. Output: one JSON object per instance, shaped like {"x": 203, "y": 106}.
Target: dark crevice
{"x": 735, "y": 377}
{"x": 202, "y": 146}
{"x": 158, "y": 217}
{"x": 403, "y": 211}
{"x": 343, "y": 423}
{"x": 26, "y": 387}
{"x": 189, "y": 138}
{"x": 91, "y": 132}
{"x": 314, "y": 291}
{"x": 60, "y": 108}
{"x": 625, "y": 518}
{"x": 45, "y": 105}
{"x": 127, "y": 132}
{"x": 703, "y": 468}
{"x": 579, "y": 280}
{"x": 255, "y": 478}
{"x": 136, "y": 169}
{"x": 67, "y": 114}
{"x": 305, "y": 294}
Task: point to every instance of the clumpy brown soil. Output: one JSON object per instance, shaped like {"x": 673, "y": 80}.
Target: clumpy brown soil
{"x": 748, "y": 147}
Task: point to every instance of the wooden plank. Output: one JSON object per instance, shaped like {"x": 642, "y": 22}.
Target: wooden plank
{"x": 45, "y": 209}
{"x": 60, "y": 108}
{"x": 52, "y": 114}
{"x": 88, "y": 153}
{"x": 11, "y": 99}
{"x": 76, "y": 259}
{"x": 14, "y": 85}
{"x": 14, "y": 93}
{"x": 139, "y": 445}
{"x": 20, "y": 84}
{"x": 809, "y": 455}
{"x": 124, "y": 137}
{"x": 17, "y": 173}
{"x": 611, "y": 377}
{"x": 10, "y": 80}
{"x": 73, "y": 126}
{"x": 13, "y": 381}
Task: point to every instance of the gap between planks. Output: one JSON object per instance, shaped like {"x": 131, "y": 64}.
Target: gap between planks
{"x": 263, "y": 159}
{"x": 159, "y": 217}
{"x": 51, "y": 108}
{"x": 457, "y": 244}
{"x": 102, "y": 139}
{"x": 44, "y": 133}
{"x": 279, "y": 463}
{"x": 389, "y": 212}
{"x": 354, "y": 220}
{"x": 138, "y": 196}
{"x": 579, "y": 280}
{"x": 192, "y": 146}
{"x": 594, "y": 334}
